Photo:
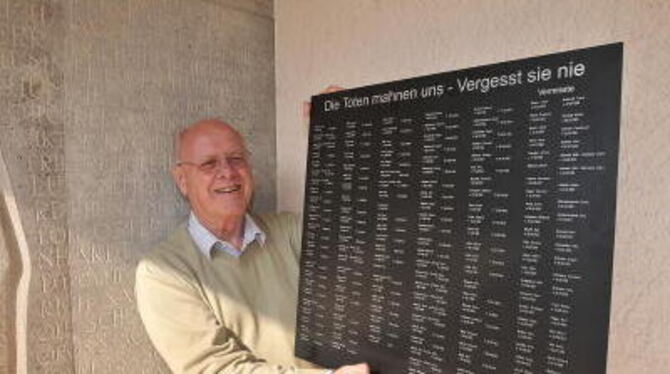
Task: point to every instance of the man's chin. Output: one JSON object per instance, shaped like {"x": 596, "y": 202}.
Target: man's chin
{"x": 230, "y": 210}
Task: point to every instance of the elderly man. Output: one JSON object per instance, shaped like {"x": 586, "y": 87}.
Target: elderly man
{"x": 220, "y": 294}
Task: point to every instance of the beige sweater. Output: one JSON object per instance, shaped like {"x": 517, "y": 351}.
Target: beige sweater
{"x": 224, "y": 314}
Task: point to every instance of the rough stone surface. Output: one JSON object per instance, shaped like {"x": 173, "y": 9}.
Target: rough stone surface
{"x": 353, "y": 43}
{"x": 31, "y": 137}
{"x": 91, "y": 93}
{"x": 6, "y": 303}
{"x": 7, "y": 300}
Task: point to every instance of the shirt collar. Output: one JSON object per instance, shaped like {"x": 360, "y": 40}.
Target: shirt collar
{"x": 207, "y": 242}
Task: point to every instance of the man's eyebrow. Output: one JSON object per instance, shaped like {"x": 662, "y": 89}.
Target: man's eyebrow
{"x": 238, "y": 152}
{"x": 233, "y": 153}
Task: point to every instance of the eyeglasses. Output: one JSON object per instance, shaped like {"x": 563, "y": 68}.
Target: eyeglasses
{"x": 211, "y": 165}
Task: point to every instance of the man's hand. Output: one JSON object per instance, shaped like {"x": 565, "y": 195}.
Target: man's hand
{"x": 353, "y": 369}
{"x": 307, "y": 106}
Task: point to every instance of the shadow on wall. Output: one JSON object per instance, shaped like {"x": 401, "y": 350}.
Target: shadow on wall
{"x": 14, "y": 279}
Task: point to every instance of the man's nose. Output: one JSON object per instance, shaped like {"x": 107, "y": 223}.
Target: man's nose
{"x": 225, "y": 168}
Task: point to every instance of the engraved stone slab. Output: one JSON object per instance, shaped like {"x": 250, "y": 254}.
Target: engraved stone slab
{"x": 91, "y": 95}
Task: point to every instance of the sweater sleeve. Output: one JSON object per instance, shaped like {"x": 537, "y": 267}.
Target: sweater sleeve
{"x": 185, "y": 332}
{"x": 291, "y": 224}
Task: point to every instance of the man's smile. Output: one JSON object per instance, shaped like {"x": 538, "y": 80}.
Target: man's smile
{"x": 229, "y": 189}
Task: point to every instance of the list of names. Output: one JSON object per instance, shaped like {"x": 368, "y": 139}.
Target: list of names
{"x": 463, "y": 222}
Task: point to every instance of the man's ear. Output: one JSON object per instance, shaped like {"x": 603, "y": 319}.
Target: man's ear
{"x": 179, "y": 179}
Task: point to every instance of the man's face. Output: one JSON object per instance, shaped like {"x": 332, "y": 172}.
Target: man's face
{"x": 214, "y": 172}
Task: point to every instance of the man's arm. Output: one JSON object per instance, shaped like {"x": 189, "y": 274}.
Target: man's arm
{"x": 186, "y": 333}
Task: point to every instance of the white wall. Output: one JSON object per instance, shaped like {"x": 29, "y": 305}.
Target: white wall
{"x": 355, "y": 42}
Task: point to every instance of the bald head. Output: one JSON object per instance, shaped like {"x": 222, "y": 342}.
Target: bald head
{"x": 196, "y": 129}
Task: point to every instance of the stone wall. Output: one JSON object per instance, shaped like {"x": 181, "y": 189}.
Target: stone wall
{"x": 90, "y": 95}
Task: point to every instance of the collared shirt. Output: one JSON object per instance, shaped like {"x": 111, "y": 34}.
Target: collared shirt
{"x": 206, "y": 241}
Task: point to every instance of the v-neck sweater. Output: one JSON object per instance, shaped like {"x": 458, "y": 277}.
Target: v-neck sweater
{"x": 225, "y": 314}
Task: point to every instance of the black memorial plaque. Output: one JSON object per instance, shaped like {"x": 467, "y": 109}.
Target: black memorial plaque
{"x": 463, "y": 222}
